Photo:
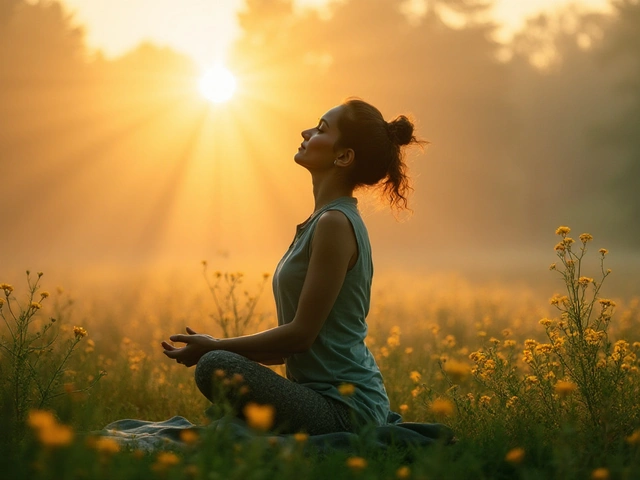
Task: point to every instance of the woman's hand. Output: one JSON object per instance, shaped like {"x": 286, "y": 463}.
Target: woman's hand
{"x": 196, "y": 346}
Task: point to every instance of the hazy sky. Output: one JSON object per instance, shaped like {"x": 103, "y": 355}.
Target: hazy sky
{"x": 204, "y": 28}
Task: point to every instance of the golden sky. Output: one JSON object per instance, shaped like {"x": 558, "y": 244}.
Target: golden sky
{"x": 203, "y": 28}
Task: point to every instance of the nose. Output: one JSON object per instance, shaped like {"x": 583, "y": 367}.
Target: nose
{"x": 306, "y": 134}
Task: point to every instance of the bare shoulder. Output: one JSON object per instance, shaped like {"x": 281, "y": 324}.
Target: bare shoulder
{"x": 334, "y": 220}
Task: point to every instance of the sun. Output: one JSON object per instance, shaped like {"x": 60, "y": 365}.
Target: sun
{"x": 217, "y": 84}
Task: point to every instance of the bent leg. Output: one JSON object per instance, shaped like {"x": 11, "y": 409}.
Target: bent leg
{"x": 297, "y": 408}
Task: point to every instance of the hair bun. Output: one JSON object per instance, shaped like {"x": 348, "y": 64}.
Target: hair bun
{"x": 401, "y": 130}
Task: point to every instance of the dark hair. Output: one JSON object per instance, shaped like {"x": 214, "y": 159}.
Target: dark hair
{"x": 378, "y": 149}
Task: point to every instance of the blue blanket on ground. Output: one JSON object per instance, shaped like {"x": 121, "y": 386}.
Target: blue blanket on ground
{"x": 151, "y": 436}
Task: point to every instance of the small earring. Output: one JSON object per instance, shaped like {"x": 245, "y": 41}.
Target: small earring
{"x": 335, "y": 162}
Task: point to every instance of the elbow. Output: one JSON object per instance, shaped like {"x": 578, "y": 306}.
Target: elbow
{"x": 300, "y": 341}
{"x": 301, "y": 346}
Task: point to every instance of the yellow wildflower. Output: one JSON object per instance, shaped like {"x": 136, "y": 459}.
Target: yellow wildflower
{"x": 484, "y": 400}
{"x": 356, "y": 463}
{"x": 530, "y": 343}
{"x": 545, "y": 322}
{"x": 165, "y": 460}
{"x": 605, "y": 302}
{"x": 552, "y": 266}
{"x": 7, "y": 288}
{"x": 35, "y": 305}
{"x": 404, "y": 408}
{"x": 393, "y": 341}
{"x": 189, "y": 436}
{"x": 600, "y": 474}
{"x": 584, "y": 281}
{"x": 558, "y": 299}
{"x": 562, "y": 230}
{"x": 634, "y": 438}
{"x": 568, "y": 241}
{"x": 408, "y": 351}
{"x": 456, "y": 370}
{"x": 44, "y": 294}
{"x": 259, "y": 417}
{"x": 403, "y": 472}
{"x": 544, "y": 348}
{"x": 301, "y": 437}
{"x": 40, "y": 419}
{"x": 56, "y": 436}
{"x": 79, "y": 332}
{"x": 415, "y": 392}
{"x": 585, "y": 237}
{"x": 506, "y": 332}
{"x": 347, "y": 389}
{"x": 559, "y": 247}
{"x": 531, "y": 379}
{"x": 512, "y": 401}
{"x": 603, "y": 251}
{"x": 515, "y": 455}
{"x": 415, "y": 376}
{"x": 509, "y": 343}
{"x": 442, "y": 406}
{"x": 106, "y": 445}
{"x": 1, "y": 302}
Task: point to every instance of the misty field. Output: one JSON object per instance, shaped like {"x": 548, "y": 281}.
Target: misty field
{"x": 534, "y": 386}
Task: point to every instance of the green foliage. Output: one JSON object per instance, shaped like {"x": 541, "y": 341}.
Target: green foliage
{"x": 563, "y": 405}
{"x": 34, "y": 360}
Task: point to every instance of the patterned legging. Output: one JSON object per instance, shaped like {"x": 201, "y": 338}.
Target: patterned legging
{"x": 297, "y": 408}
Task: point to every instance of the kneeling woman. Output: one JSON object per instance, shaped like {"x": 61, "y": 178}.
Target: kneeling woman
{"x": 322, "y": 288}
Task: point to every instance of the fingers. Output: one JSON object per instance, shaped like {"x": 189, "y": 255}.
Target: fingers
{"x": 172, "y": 353}
{"x": 191, "y": 331}
{"x": 167, "y": 346}
{"x": 180, "y": 338}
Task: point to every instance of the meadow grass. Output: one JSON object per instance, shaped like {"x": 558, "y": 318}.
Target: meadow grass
{"x": 533, "y": 387}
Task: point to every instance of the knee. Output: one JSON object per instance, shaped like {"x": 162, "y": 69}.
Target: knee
{"x": 209, "y": 363}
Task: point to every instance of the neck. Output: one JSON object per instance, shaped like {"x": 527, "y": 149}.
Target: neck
{"x": 327, "y": 190}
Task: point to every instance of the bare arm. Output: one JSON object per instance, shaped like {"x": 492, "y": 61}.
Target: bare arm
{"x": 333, "y": 249}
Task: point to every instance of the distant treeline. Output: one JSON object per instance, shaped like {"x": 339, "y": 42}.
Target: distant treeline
{"x": 525, "y": 137}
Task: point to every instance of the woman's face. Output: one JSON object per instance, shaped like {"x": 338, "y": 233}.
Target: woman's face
{"x": 317, "y": 148}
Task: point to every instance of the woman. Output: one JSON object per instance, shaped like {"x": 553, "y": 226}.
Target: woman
{"x": 322, "y": 288}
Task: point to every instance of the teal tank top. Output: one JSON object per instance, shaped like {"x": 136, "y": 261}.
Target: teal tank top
{"x": 338, "y": 354}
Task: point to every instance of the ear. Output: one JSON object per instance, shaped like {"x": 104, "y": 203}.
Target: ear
{"x": 345, "y": 157}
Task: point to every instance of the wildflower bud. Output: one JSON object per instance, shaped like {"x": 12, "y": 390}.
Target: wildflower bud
{"x": 403, "y": 472}
{"x": 79, "y": 332}
{"x": 44, "y": 294}
{"x": 515, "y": 455}
{"x": 585, "y": 237}
{"x": 35, "y": 305}
{"x": 603, "y": 251}
{"x": 40, "y": 274}
{"x": 347, "y": 389}
{"x": 356, "y": 463}
{"x": 562, "y": 230}
{"x": 552, "y": 266}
